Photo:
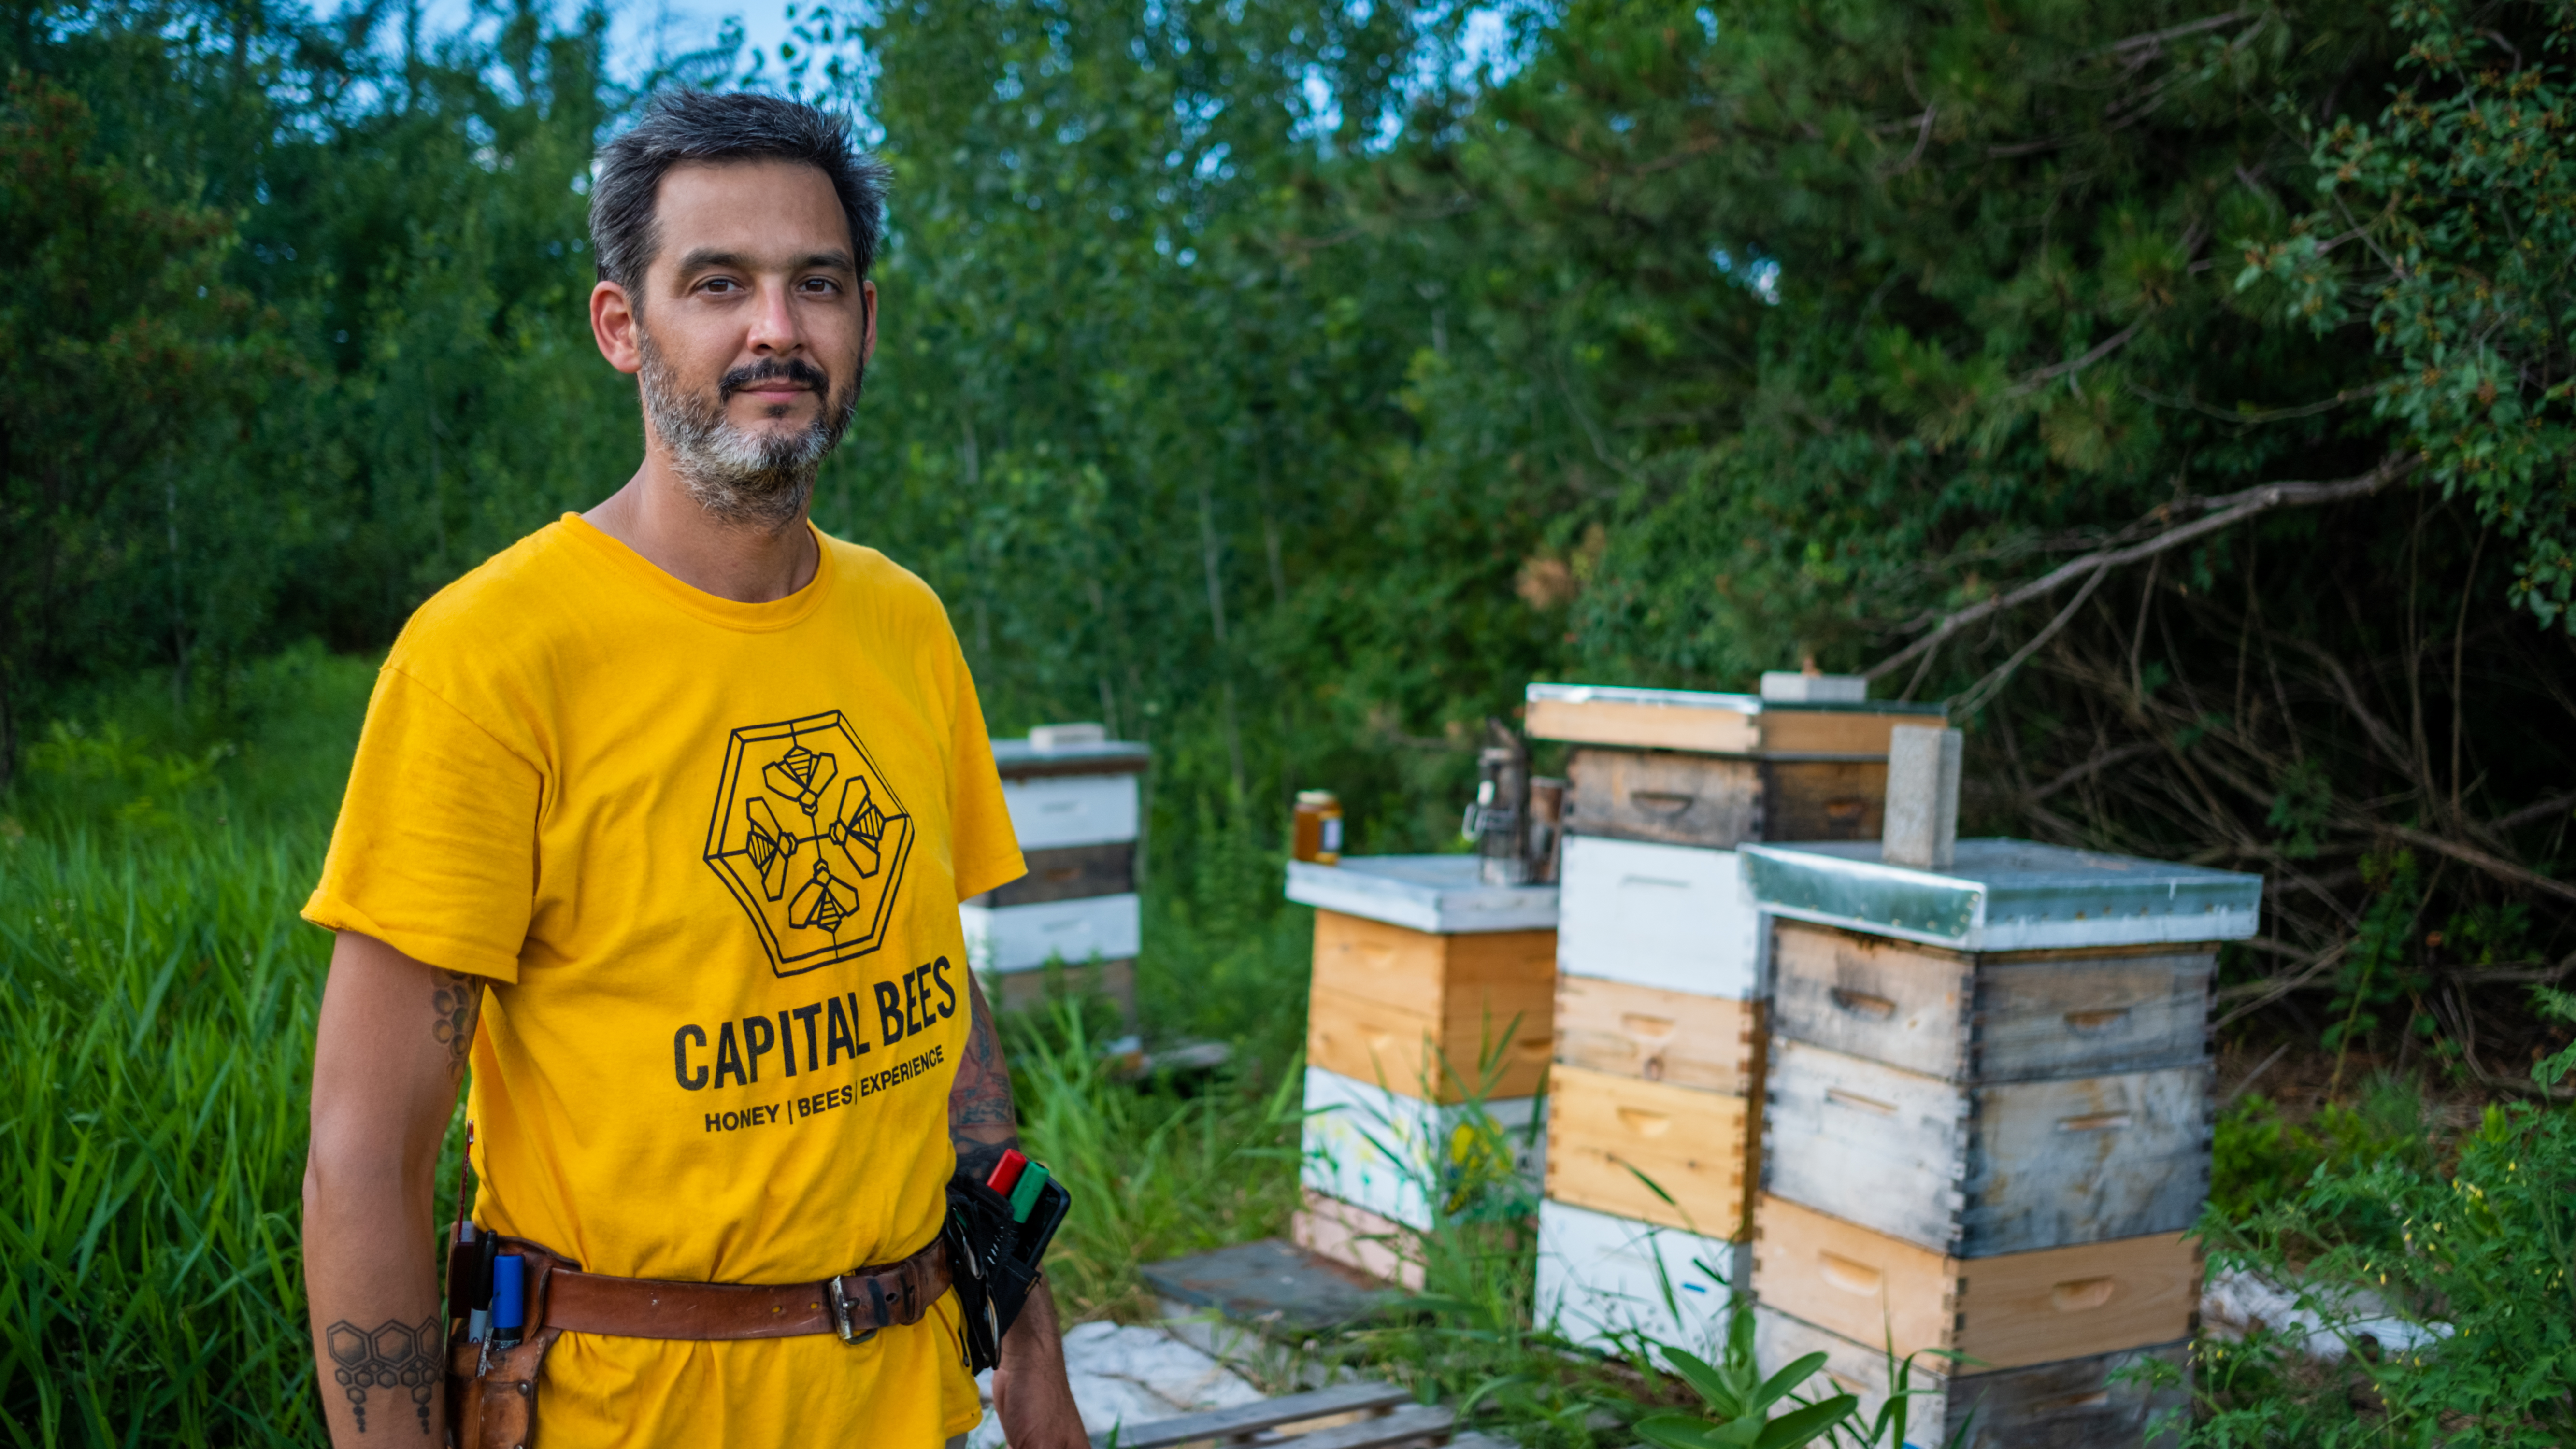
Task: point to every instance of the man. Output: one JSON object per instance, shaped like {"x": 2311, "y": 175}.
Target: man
{"x": 660, "y": 821}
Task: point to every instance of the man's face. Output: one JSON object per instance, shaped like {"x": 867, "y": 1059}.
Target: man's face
{"x": 751, "y": 332}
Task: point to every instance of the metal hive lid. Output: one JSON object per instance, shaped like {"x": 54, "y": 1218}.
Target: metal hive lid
{"x": 1445, "y": 894}
{"x": 2005, "y": 895}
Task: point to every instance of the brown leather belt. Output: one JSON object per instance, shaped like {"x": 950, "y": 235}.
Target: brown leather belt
{"x": 854, "y": 1305}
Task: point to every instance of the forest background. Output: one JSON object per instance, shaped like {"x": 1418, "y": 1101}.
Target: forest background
{"x": 2182, "y": 391}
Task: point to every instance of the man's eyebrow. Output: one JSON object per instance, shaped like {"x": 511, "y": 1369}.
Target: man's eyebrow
{"x": 709, "y": 258}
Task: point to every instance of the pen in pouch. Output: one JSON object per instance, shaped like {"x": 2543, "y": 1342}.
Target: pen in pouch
{"x": 509, "y": 1299}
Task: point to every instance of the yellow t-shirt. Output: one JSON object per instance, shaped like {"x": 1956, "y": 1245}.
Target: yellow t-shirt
{"x": 709, "y": 856}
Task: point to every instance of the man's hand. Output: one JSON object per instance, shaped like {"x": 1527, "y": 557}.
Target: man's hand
{"x": 387, "y": 1056}
{"x": 1030, "y": 1390}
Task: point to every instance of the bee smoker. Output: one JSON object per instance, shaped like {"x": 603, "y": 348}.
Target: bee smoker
{"x": 1498, "y": 821}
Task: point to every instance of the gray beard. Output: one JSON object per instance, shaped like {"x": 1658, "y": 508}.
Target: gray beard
{"x": 737, "y": 476}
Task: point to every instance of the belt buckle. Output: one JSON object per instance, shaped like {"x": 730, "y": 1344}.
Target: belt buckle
{"x": 841, "y": 1313}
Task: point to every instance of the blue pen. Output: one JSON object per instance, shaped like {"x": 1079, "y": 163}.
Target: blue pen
{"x": 509, "y": 1299}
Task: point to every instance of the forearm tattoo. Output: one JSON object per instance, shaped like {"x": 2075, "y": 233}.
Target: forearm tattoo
{"x": 455, "y": 998}
{"x": 981, "y": 1121}
{"x": 394, "y": 1356}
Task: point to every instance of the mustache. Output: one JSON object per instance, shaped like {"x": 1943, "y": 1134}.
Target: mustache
{"x": 769, "y": 369}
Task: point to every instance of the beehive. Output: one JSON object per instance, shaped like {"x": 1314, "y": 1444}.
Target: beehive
{"x": 1987, "y": 1120}
{"x": 1073, "y": 921}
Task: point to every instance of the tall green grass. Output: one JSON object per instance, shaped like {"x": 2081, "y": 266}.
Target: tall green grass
{"x": 157, "y": 998}
{"x": 158, "y": 1015}
{"x": 1157, "y": 1169}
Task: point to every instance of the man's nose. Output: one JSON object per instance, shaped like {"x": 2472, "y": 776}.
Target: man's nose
{"x": 773, "y": 324}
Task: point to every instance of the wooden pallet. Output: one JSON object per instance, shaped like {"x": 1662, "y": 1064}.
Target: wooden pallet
{"x": 1369, "y": 1415}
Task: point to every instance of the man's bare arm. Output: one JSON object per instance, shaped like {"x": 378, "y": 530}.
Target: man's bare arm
{"x": 982, "y": 1121}
{"x": 1030, "y": 1390}
{"x": 387, "y": 1058}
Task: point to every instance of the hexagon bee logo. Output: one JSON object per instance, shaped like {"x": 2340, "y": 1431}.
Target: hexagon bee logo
{"x": 810, "y": 838}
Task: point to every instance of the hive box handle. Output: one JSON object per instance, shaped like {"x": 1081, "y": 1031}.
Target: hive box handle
{"x": 1661, "y": 802}
{"x": 2077, "y": 1295}
{"x": 1861, "y": 1003}
{"x": 1850, "y": 1276}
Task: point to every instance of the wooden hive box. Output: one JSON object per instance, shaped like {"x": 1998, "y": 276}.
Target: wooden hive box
{"x": 1668, "y": 916}
{"x": 1073, "y": 923}
{"x": 1074, "y": 932}
{"x": 1441, "y": 1017}
{"x": 1992, "y": 1016}
{"x": 1716, "y": 770}
{"x": 1072, "y": 794}
{"x": 2093, "y": 1402}
{"x": 1068, "y": 873}
{"x": 1407, "y": 1160}
{"x": 1976, "y": 1170}
{"x": 1602, "y": 1280}
{"x": 1035, "y": 990}
{"x": 1622, "y": 1029}
{"x": 1610, "y": 1136}
{"x": 2004, "y": 1312}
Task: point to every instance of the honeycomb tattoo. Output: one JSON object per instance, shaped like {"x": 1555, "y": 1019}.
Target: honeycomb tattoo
{"x": 392, "y": 1356}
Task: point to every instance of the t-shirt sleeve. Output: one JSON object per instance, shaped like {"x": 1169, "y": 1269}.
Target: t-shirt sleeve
{"x": 984, "y": 848}
{"x": 435, "y": 852}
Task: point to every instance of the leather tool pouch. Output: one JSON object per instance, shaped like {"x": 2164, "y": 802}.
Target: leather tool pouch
{"x": 994, "y": 1261}
{"x": 492, "y": 1391}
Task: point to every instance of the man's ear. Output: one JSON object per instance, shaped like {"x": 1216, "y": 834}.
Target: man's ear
{"x": 867, "y": 323}
{"x": 618, "y": 330}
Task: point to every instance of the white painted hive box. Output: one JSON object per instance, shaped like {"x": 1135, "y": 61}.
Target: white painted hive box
{"x": 1403, "y": 1158}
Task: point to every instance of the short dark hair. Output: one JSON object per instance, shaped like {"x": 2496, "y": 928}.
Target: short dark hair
{"x": 683, "y": 126}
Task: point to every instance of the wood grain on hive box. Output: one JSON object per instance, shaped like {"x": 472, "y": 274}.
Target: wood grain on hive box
{"x": 1673, "y": 916}
{"x": 1391, "y": 1004}
{"x": 1813, "y": 730}
{"x": 2093, "y": 1402}
{"x": 1823, "y": 799}
{"x": 2004, "y": 1167}
{"x": 2003, "y": 1312}
{"x": 1354, "y": 1237}
{"x": 1605, "y": 1131}
{"x": 1993, "y": 1016}
{"x": 1715, "y": 724}
{"x": 1659, "y": 795}
{"x": 1438, "y": 1058}
{"x": 1721, "y": 802}
{"x": 1067, "y": 873}
{"x": 1713, "y": 1043}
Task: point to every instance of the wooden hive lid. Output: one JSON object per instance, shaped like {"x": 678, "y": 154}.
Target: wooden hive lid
{"x": 1717, "y": 724}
